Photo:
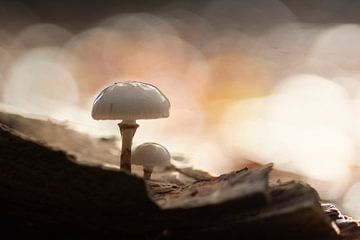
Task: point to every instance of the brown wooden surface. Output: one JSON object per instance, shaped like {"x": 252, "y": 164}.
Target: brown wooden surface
{"x": 45, "y": 193}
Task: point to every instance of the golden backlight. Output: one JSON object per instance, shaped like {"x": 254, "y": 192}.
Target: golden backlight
{"x": 240, "y": 88}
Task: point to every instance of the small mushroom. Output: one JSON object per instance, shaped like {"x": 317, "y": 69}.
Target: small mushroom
{"x": 130, "y": 101}
{"x": 150, "y": 155}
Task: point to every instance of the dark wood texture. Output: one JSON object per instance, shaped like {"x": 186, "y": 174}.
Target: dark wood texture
{"x": 44, "y": 193}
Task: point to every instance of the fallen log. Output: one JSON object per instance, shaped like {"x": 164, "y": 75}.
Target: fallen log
{"x": 45, "y": 193}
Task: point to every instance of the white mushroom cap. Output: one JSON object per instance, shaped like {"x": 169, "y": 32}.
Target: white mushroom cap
{"x": 151, "y": 155}
{"x": 130, "y": 101}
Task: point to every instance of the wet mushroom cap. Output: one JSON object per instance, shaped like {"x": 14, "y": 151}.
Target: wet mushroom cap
{"x": 151, "y": 155}
{"x": 130, "y": 101}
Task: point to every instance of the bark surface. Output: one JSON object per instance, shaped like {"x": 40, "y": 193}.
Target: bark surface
{"x": 44, "y": 192}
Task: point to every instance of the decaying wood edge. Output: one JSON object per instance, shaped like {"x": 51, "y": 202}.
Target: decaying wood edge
{"x": 42, "y": 191}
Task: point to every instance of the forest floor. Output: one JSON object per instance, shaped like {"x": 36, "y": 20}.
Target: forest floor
{"x": 61, "y": 184}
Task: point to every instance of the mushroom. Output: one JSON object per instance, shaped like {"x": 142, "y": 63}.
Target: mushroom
{"x": 150, "y": 155}
{"x": 130, "y": 101}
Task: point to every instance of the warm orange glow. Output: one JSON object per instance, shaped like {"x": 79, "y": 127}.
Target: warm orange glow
{"x": 283, "y": 92}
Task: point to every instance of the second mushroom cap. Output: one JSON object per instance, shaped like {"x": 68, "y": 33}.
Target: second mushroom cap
{"x": 151, "y": 155}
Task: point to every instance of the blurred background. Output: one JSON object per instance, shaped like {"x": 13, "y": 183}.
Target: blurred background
{"x": 250, "y": 82}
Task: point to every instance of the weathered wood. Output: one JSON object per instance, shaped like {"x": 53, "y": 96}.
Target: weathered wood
{"x": 44, "y": 193}
{"x": 249, "y": 186}
{"x": 349, "y": 228}
{"x": 101, "y": 152}
{"x": 43, "y": 187}
{"x": 57, "y": 135}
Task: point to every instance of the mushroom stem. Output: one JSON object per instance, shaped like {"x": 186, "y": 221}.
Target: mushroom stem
{"x": 147, "y": 172}
{"x": 127, "y": 130}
